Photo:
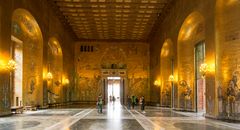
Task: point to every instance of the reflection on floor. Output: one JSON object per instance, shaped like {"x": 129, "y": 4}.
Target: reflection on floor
{"x": 114, "y": 117}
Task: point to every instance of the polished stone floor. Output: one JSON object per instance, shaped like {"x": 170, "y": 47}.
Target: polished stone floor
{"x": 114, "y": 117}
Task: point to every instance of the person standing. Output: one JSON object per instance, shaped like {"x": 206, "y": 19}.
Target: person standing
{"x": 133, "y": 101}
{"x": 143, "y": 104}
{"x": 100, "y": 103}
{"x": 129, "y": 102}
{"x": 136, "y": 101}
{"x": 113, "y": 99}
{"x": 110, "y": 98}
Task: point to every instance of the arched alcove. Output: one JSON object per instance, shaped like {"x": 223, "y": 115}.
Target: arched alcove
{"x": 27, "y": 51}
{"x": 166, "y": 71}
{"x": 55, "y": 67}
{"x": 191, "y": 54}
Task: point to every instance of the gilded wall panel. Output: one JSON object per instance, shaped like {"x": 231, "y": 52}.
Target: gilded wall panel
{"x": 228, "y": 61}
{"x": 25, "y": 28}
{"x": 133, "y": 56}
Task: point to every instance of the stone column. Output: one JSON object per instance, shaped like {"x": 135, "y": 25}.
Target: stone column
{"x": 105, "y": 90}
{"x": 125, "y": 83}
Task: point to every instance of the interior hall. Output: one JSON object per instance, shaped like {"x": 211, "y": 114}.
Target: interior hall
{"x": 119, "y": 64}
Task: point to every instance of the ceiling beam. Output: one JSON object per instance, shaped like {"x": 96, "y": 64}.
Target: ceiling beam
{"x": 63, "y": 3}
{"x": 78, "y": 9}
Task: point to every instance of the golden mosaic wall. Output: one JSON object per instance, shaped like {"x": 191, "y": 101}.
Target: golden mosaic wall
{"x": 55, "y": 67}
{"x": 25, "y": 28}
{"x": 133, "y": 56}
{"x": 196, "y": 30}
{"x": 166, "y": 71}
{"x": 221, "y": 37}
{"x": 228, "y": 24}
{"x": 34, "y": 30}
{"x": 192, "y": 32}
{"x": 228, "y": 61}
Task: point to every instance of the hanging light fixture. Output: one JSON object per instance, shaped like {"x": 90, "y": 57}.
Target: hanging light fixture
{"x": 203, "y": 69}
{"x": 11, "y": 65}
{"x": 157, "y": 83}
{"x": 171, "y": 78}
{"x": 49, "y": 74}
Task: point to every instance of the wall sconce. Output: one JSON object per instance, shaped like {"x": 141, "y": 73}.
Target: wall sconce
{"x": 10, "y": 66}
{"x": 49, "y": 76}
{"x": 171, "y": 78}
{"x": 157, "y": 83}
{"x": 203, "y": 69}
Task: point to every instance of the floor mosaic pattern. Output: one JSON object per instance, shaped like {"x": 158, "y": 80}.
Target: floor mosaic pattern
{"x": 114, "y": 117}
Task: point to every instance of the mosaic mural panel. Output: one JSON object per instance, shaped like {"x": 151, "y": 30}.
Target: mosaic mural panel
{"x": 133, "y": 57}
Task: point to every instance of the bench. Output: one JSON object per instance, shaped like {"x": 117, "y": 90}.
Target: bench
{"x": 31, "y": 108}
{"x": 44, "y": 107}
{"x": 17, "y": 109}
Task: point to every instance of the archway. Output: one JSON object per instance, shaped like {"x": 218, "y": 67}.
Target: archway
{"x": 55, "y": 68}
{"x": 166, "y": 71}
{"x": 27, "y": 51}
{"x": 228, "y": 53}
{"x": 191, "y": 54}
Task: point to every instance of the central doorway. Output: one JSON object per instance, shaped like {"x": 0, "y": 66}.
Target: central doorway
{"x": 113, "y": 92}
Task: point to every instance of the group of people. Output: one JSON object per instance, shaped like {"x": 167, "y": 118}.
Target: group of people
{"x": 134, "y": 101}
{"x": 100, "y": 102}
{"x": 131, "y": 102}
{"x": 112, "y": 98}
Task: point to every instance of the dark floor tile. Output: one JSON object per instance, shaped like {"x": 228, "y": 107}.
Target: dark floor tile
{"x": 196, "y": 126}
{"x": 18, "y": 125}
{"x": 162, "y": 114}
{"x": 99, "y": 124}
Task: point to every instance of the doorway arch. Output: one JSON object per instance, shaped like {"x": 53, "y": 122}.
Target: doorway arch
{"x": 27, "y": 50}
{"x": 55, "y": 67}
{"x": 166, "y": 71}
{"x": 191, "y": 54}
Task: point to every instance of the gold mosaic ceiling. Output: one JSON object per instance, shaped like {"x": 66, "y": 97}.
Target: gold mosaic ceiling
{"x": 111, "y": 19}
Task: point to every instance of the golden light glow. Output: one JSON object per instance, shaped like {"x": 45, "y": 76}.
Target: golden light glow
{"x": 49, "y": 76}
{"x": 66, "y": 81}
{"x": 2, "y": 65}
{"x": 7, "y": 66}
{"x": 211, "y": 67}
{"x": 231, "y": 2}
{"x": 207, "y": 68}
{"x": 157, "y": 83}
{"x": 171, "y": 78}
{"x": 189, "y": 26}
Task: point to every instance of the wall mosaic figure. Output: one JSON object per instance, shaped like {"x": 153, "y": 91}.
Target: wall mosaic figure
{"x": 185, "y": 96}
{"x": 26, "y": 29}
{"x": 32, "y": 85}
{"x": 232, "y": 90}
